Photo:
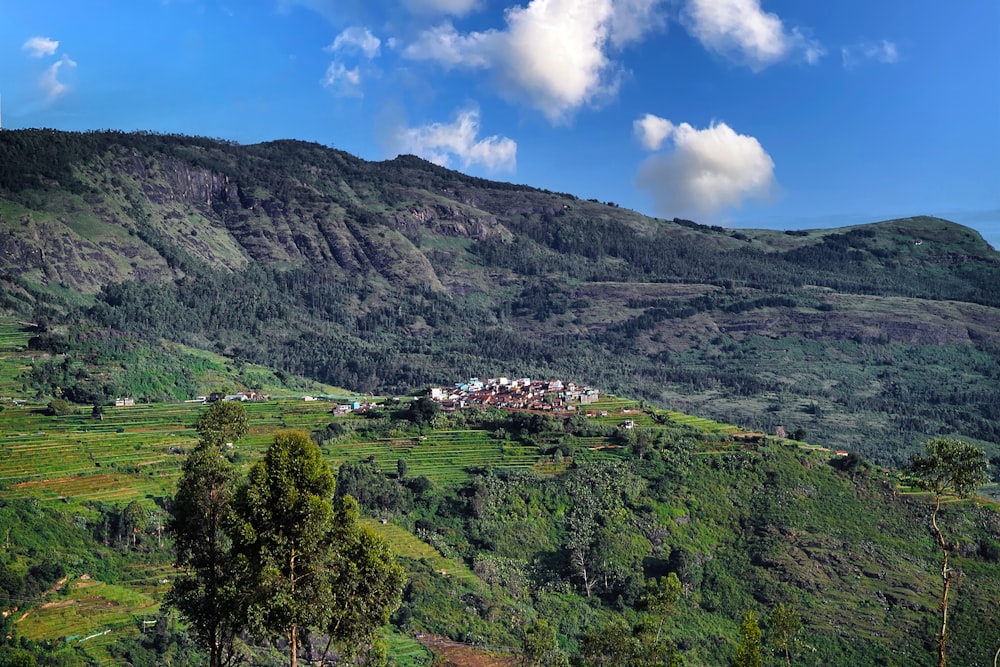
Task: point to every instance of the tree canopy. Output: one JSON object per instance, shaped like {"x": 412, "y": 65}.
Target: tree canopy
{"x": 277, "y": 555}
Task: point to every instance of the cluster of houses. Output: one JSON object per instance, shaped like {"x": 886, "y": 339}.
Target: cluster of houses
{"x": 238, "y": 396}
{"x": 520, "y": 394}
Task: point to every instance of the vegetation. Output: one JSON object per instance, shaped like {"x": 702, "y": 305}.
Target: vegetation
{"x": 163, "y": 268}
{"x": 390, "y": 276}
{"x": 948, "y": 467}
{"x": 275, "y": 555}
{"x": 668, "y": 521}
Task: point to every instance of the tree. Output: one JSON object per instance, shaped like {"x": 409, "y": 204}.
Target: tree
{"x": 283, "y": 514}
{"x": 422, "y": 410}
{"x": 135, "y": 519}
{"x": 310, "y": 565}
{"x": 58, "y": 407}
{"x": 364, "y": 583}
{"x": 541, "y": 649}
{"x": 748, "y": 653}
{"x": 207, "y": 593}
{"x": 949, "y": 467}
{"x": 783, "y": 623}
{"x": 611, "y": 644}
{"x": 224, "y": 421}
{"x": 661, "y": 598}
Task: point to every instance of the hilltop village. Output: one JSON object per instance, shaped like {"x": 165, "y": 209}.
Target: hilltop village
{"x": 520, "y": 394}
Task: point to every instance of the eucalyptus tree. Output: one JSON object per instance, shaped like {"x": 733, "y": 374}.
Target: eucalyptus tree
{"x": 224, "y": 421}
{"x": 208, "y": 592}
{"x": 748, "y": 653}
{"x": 310, "y": 566}
{"x": 783, "y": 624}
{"x": 948, "y": 467}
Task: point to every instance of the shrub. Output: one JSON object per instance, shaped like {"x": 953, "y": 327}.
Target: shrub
{"x": 57, "y": 407}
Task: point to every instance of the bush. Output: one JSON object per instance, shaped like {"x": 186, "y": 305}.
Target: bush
{"x": 57, "y": 407}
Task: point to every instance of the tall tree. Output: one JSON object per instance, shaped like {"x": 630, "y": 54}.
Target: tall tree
{"x": 283, "y": 515}
{"x": 661, "y": 598}
{"x": 783, "y": 623}
{"x": 135, "y": 519}
{"x": 364, "y": 583}
{"x": 207, "y": 592}
{"x": 748, "y": 653}
{"x": 948, "y": 467}
{"x": 311, "y": 566}
{"x": 224, "y": 421}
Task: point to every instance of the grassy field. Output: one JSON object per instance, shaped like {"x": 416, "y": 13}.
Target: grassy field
{"x": 406, "y": 544}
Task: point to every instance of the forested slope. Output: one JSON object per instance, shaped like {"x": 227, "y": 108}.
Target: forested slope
{"x": 388, "y": 276}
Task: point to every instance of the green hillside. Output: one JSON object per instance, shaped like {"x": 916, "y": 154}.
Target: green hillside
{"x": 162, "y": 268}
{"x": 744, "y": 521}
{"x": 388, "y": 276}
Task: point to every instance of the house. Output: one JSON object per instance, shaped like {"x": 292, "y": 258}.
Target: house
{"x": 124, "y": 402}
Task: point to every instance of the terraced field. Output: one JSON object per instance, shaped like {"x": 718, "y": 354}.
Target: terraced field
{"x": 406, "y": 544}
{"x": 441, "y": 456}
{"x": 14, "y": 359}
{"x": 137, "y": 452}
{"x": 91, "y": 612}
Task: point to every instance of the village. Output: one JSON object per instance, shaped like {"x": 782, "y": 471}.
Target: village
{"x": 519, "y": 394}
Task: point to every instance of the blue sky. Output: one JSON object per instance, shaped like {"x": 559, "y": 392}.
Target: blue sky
{"x": 744, "y": 113}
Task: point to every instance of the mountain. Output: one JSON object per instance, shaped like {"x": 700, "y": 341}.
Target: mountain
{"x": 389, "y": 276}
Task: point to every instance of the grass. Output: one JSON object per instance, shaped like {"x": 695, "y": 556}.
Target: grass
{"x": 85, "y": 609}
{"x": 407, "y": 545}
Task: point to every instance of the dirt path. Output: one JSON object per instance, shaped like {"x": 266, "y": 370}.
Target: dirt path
{"x": 455, "y": 654}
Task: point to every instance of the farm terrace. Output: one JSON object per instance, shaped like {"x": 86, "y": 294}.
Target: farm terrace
{"x": 520, "y": 394}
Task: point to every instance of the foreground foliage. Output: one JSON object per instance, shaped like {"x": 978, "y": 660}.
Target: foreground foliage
{"x": 681, "y": 526}
{"x": 275, "y": 555}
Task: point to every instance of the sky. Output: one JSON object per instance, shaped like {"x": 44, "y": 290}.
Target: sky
{"x": 784, "y": 114}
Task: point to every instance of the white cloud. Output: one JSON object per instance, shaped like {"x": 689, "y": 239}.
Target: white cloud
{"x": 38, "y": 47}
{"x": 50, "y": 83}
{"x": 652, "y": 131}
{"x": 707, "y": 170}
{"x": 356, "y": 39}
{"x": 882, "y": 51}
{"x": 345, "y": 81}
{"x": 552, "y": 55}
{"x": 453, "y": 7}
{"x": 742, "y": 30}
{"x": 812, "y": 50}
{"x": 439, "y": 143}
{"x": 445, "y": 46}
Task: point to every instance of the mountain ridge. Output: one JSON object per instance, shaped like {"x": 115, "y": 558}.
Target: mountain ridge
{"x": 417, "y": 274}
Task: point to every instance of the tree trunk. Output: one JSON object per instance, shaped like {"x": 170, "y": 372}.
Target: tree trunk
{"x": 946, "y": 578}
{"x": 580, "y": 561}
{"x": 293, "y": 644}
